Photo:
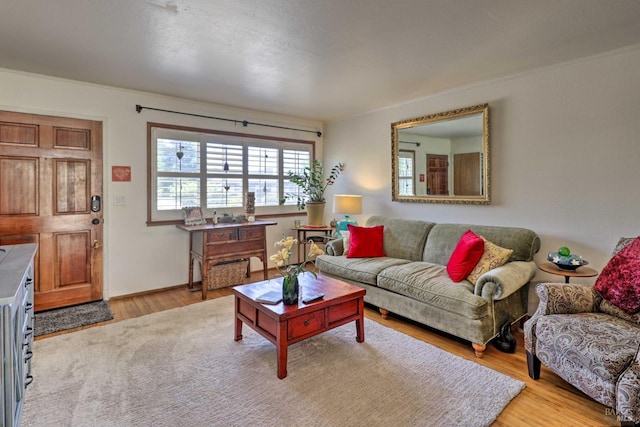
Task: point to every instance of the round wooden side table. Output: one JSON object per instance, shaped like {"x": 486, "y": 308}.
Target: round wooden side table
{"x": 583, "y": 271}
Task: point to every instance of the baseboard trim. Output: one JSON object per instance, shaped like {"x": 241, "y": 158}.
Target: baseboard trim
{"x": 196, "y": 286}
{"x": 151, "y": 291}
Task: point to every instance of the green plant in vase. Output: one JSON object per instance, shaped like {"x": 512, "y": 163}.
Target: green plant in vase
{"x": 290, "y": 272}
{"x": 312, "y": 183}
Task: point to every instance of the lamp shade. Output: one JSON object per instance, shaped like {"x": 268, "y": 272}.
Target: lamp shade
{"x": 347, "y": 204}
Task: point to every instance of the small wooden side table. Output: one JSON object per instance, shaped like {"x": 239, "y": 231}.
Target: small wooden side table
{"x": 303, "y": 240}
{"x": 583, "y": 271}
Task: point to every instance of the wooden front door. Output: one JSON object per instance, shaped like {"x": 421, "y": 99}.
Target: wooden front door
{"x": 50, "y": 168}
{"x": 437, "y": 174}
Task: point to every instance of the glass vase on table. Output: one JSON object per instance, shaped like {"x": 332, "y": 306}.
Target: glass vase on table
{"x": 290, "y": 272}
{"x": 290, "y": 289}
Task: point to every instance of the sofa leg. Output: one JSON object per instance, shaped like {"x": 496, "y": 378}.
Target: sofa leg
{"x": 384, "y": 313}
{"x": 533, "y": 364}
{"x": 479, "y": 349}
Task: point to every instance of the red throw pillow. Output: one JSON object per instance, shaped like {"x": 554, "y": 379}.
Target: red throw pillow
{"x": 365, "y": 242}
{"x": 465, "y": 256}
{"x": 619, "y": 281}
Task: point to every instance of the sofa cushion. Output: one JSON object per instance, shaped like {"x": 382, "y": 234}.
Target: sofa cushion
{"x": 404, "y": 238}
{"x": 443, "y": 238}
{"x": 596, "y": 342}
{"x": 619, "y": 281}
{"x": 465, "y": 256}
{"x": 365, "y": 242}
{"x": 363, "y": 270}
{"x": 492, "y": 257}
{"x": 430, "y": 283}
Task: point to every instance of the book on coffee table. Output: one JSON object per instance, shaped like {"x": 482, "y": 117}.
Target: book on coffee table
{"x": 270, "y": 297}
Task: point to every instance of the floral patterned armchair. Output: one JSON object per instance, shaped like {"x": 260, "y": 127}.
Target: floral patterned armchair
{"x": 589, "y": 342}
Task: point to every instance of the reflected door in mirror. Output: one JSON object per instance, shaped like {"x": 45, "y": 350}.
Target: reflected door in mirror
{"x": 437, "y": 174}
{"x": 466, "y": 174}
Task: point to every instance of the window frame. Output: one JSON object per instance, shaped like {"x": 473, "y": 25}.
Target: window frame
{"x": 407, "y": 154}
{"x": 175, "y": 216}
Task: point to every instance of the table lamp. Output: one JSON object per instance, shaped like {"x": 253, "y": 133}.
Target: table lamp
{"x": 346, "y": 204}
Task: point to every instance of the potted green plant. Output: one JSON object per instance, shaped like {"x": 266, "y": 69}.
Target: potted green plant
{"x": 313, "y": 185}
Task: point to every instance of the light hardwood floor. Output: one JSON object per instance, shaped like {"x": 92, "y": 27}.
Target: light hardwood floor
{"x": 549, "y": 401}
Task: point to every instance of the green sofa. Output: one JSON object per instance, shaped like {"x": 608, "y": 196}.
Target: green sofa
{"x": 412, "y": 280}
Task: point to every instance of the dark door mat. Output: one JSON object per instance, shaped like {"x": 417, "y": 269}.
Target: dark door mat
{"x": 61, "y": 319}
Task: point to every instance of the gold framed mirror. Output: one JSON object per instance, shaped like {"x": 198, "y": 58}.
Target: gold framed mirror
{"x": 442, "y": 158}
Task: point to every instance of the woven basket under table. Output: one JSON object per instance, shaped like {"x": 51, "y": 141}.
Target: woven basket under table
{"x": 227, "y": 274}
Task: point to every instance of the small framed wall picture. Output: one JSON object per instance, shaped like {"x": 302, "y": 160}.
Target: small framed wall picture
{"x": 193, "y": 215}
{"x": 121, "y": 173}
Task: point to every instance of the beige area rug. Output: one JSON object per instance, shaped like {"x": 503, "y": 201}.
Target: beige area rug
{"x": 182, "y": 368}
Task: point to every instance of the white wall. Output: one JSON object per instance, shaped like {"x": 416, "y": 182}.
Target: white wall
{"x": 565, "y": 145}
{"x": 565, "y": 155}
{"x": 136, "y": 257}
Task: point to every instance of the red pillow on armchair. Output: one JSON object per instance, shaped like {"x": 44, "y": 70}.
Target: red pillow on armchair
{"x": 619, "y": 281}
{"x": 365, "y": 242}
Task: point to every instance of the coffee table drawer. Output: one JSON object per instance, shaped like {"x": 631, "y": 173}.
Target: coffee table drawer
{"x": 303, "y": 325}
{"x": 342, "y": 311}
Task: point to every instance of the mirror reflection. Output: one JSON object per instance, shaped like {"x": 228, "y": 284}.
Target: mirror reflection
{"x": 442, "y": 158}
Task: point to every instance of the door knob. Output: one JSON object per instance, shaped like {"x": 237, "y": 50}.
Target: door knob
{"x": 96, "y": 244}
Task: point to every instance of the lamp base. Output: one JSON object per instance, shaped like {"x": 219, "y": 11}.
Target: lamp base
{"x": 342, "y": 225}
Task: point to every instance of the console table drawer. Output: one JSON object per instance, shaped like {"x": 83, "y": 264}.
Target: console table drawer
{"x": 303, "y": 325}
{"x": 222, "y": 235}
{"x": 235, "y": 247}
{"x": 251, "y": 233}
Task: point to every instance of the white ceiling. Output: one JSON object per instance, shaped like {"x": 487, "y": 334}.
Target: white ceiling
{"x": 319, "y": 59}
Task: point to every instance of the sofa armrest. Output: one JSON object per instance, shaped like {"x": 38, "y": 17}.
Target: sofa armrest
{"x": 565, "y": 298}
{"x": 334, "y": 247}
{"x": 501, "y": 282}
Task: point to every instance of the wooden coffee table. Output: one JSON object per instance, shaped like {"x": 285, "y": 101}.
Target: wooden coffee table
{"x": 284, "y": 325}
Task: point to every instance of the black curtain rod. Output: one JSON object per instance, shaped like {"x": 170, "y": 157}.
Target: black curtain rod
{"x": 245, "y": 123}
{"x": 417, "y": 144}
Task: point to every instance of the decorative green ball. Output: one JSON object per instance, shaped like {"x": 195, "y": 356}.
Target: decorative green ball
{"x": 564, "y": 251}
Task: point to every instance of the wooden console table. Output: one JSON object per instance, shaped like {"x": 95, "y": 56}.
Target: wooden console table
{"x": 214, "y": 244}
